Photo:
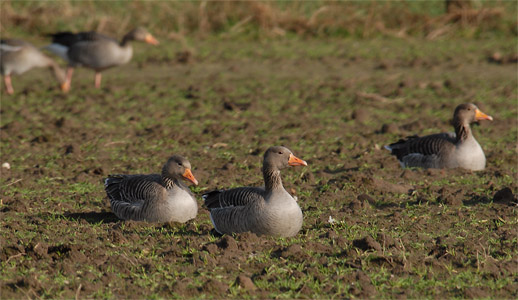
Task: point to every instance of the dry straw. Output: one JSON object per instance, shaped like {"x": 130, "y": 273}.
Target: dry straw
{"x": 364, "y": 19}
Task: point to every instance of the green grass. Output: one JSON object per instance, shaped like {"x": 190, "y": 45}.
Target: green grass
{"x": 301, "y": 93}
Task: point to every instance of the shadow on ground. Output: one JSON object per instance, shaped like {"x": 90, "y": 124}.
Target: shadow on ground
{"x": 93, "y": 217}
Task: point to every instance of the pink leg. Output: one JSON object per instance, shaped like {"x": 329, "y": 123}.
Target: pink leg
{"x": 98, "y": 80}
{"x": 8, "y": 85}
{"x": 65, "y": 87}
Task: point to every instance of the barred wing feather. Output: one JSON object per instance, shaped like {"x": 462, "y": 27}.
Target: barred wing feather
{"x": 427, "y": 145}
{"x": 133, "y": 188}
{"x": 242, "y": 196}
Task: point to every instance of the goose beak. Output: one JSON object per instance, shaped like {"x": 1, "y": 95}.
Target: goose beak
{"x": 479, "y": 115}
{"x": 188, "y": 175}
{"x": 295, "y": 161}
{"x": 151, "y": 40}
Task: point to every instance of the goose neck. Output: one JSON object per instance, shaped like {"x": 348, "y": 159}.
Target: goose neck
{"x": 125, "y": 42}
{"x": 462, "y": 131}
{"x": 272, "y": 178}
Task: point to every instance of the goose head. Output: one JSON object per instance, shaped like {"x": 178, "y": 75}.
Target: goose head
{"x": 142, "y": 35}
{"x": 468, "y": 113}
{"x": 178, "y": 167}
{"x": 279, "y": 157}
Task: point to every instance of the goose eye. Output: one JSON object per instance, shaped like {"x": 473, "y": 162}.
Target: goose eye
{"x": 180, "y": 164}
{"x": 280, "y": 152}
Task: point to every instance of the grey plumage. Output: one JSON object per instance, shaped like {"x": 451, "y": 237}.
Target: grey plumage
{"x": 445, "y": 150}
{"x": 68, "y": 39}
{"x": 18, "y": 57}
{"x": 235, "y": 197}
{"x": 269, "y": 210}
{"x": 95, "y": 51}
{"x": 154, "y": 197}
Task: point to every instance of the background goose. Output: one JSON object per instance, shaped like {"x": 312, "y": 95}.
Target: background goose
{"x": 445, "y": 150}
{"x": 17, "y": 57}
{"x": 95, "y": 51}
{"x": 154, "y": 197}
{"x": 269, "y": 210}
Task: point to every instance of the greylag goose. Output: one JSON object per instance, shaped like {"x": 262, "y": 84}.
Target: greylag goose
{"x": 155, "y": 197}
{"x": 95, "y": 51}
{"x": 269, "y": 210}
{"x": 445, "y": 150}
{"x": 17, "y": 57}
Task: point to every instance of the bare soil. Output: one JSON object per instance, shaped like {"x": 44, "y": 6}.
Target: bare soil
{"x": 371, "y": 229}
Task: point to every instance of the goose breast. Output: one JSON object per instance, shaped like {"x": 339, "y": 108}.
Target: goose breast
{"x": 469, "y": 155}
{"x": 180, "y": 205}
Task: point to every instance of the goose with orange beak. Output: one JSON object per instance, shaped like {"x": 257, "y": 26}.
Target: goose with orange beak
{"x": 154, "y": 197}
{"x": 445, "y": 150}
{"x": 268, "y": 210}
{"x": 95, "y": 51}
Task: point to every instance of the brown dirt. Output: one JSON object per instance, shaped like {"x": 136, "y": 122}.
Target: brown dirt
{"x": 406, "y": 220}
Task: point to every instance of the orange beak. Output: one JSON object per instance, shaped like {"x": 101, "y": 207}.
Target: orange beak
{"x": 295, "y": 161}
{"x": 188, "y": 175}
{"x": 151, "y": 40}
{"x": 479, "y": 115}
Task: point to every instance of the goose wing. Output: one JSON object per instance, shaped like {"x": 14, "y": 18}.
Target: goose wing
{"x": 428, "y": 145}
{"x": 242, "y": 196}
{"x": 133, "y": 188}
{"x": 77, "y": 47}
{"x": 129, "y": 194}
{"x": 427, "y": 151}
{"x": 68, "y": 39}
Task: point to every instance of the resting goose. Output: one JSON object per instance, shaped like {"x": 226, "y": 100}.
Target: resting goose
{"x": 445, "y": 150}
{"x": 269, "y": 210}
{"x": 17, "y": 57}
{"x": 155, "y": 197}
{"x": 95, "y": 51}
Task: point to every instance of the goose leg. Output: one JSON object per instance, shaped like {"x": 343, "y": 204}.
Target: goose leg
{"x": 65, "y": 87}
{"x": 98, "y": 80}
{"x": 8, "y": 85}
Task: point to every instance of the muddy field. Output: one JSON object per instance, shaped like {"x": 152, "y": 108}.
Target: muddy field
{"x": 370, "y": 228}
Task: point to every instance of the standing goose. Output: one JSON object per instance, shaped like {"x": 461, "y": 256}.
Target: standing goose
{"x": 17, "y": 57}
{"x": 154, "y": 197}
{"x": 445, "y": 150}
{"x": 95, "y": 51}
{"x": 269, "y": 210}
